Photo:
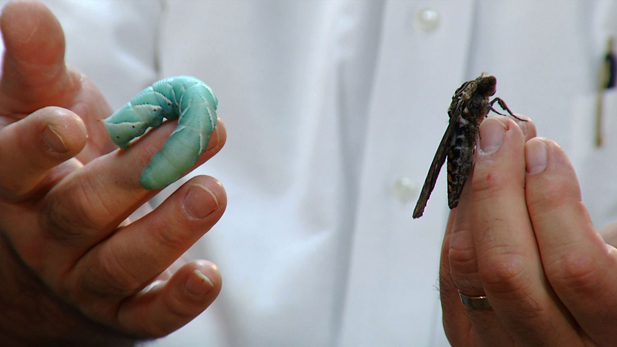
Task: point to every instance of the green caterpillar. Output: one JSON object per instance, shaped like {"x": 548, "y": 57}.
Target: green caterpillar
{"x": 184, "y": 98}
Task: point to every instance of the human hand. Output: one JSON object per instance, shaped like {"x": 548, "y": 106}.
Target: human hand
{"x": 68, "y": 273}
{"x": 522, "y": 237}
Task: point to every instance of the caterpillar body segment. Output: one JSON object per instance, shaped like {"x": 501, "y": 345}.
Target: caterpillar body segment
{"x": 184, "y": 98}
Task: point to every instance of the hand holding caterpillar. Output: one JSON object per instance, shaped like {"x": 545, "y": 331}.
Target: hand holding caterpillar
{"x": 184, "y": 98}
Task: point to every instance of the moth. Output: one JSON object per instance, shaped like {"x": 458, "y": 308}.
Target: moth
{"x": 185, "y": 98}
{"x": 470, "y": 105}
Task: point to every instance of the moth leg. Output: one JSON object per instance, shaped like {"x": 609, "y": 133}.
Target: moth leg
{"x": 505, "y": 107}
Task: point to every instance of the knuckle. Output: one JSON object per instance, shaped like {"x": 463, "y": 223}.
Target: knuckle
{"x": 76, "y": 211}
{"x": 462, "y": 254}
{"x": 60, "y": 218}
{"x": 169, "y": 237}
{"x": 505, "y": 275}
{"x": 576, "y": 272}
{"x": 111, "y": 276}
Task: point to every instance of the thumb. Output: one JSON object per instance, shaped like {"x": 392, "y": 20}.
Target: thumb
{"x": 34, "y": 74}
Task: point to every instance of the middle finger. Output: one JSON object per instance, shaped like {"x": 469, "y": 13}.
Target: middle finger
{"x": 508, "y": 260}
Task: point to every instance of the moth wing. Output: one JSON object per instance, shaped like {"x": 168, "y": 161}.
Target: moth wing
{"x": 438, "y": 160}
{"x": 460, "y": 164}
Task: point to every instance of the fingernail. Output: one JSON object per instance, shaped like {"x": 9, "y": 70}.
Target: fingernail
{"x": 53, "y": 140}
{"x": 536, "y": 156}
{"x": 491, "y": 135}
{"x": 199, "y": 202}
{"x": 198, "y": 284}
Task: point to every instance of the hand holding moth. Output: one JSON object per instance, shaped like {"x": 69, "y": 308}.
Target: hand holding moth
{"x": 521, "y": 237}
{"x": 67, "y": 274}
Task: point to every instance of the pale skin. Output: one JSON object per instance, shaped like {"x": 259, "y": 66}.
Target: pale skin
{"x": 522, "y": 237}
{"x": 67, "y": 273}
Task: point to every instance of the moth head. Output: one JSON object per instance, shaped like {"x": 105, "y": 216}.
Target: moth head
{"x": 487, "y": 85}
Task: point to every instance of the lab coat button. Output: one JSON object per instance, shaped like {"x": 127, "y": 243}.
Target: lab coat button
{"x": 405, "y": 189}
{"x": 426, "y": 20}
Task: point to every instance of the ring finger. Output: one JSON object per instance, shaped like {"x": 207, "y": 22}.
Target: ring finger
{"x": 478, "y": 322}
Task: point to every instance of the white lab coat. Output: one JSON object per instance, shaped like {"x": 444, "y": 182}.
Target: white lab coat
{"x": 334, "y": 110}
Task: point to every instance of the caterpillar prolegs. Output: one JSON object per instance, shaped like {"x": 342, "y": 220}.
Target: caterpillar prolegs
{"x": 184, "y": 98}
